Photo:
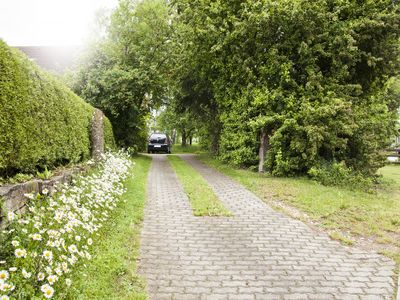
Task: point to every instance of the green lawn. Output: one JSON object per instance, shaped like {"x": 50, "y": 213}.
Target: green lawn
{"x": 204, "y": 201}
{"x": 392, "y": 174}
{"x": 112, "y": 271}
{"x": 345, "y": 214}
{"x": 195, "y": 148}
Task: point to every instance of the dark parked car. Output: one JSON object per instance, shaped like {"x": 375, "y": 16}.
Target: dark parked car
{"x": 159, "y": 142}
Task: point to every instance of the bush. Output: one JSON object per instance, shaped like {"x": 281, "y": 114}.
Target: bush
{"x": 338, "y": 174}
{"x": 42, "y": 123}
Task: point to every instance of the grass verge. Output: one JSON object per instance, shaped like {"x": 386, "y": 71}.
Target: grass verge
{"x": 347, "y": 215}
{"x": 204, "y": 201}
{"x": 112, "y": 271}
{"x": 194, "y": 148}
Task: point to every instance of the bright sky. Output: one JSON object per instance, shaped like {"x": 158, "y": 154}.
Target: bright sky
{"x": 48, "y": 22}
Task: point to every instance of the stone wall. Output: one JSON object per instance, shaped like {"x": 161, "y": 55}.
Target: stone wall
{"x": 12, "y": 197}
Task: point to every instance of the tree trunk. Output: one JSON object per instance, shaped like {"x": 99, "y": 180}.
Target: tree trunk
{"x": 184, "y": 138}
{"x": 215, "y": 131}
{"x": 173, "y": 136}
{"x": 264, "y": 145}
{"x": 190, "y": 140}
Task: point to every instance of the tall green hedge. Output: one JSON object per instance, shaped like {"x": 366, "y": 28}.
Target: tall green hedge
{"x": 42, "y": 122}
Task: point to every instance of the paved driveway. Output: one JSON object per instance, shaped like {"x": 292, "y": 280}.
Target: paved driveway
{"x": 256, "y": 254}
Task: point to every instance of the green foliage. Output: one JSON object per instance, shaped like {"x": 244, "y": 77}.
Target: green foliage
{"x": 132, "y": 151}
{"x": 123, "y": 74}
{"x": 311, "y": 74}
{"x": 19, "y": 177}
{"x": 194, "y": 148}
{"x": 40, "y": 255}
{"x": 42, "y": 123}
{"x": 46, "y": 174}
{"x": 112, "y": 273}
{"x": 238, "y": 143}
{"x": 338, "y": 174}
{"x": 175, "y": 122}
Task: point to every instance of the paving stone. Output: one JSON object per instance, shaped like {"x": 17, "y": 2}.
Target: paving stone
{"x": 295, "y": 296}
{"x": 242, "y": 297}
{"x": 267, "y": 297}
{"x": 162, "y": 296}
{"x": 215, "y": 297}
{"x": 323, "y": 296}
{"x": 257, "y": 253}
{"x": 185, "y": 296}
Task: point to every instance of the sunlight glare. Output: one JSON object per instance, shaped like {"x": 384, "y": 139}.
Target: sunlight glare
{"x": 48, "y": 22}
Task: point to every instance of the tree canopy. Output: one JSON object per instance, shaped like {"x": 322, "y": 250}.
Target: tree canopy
{"x": 307, "y": 76}
{"x": 289, "y": 85}
{"x": 123, "y": 73}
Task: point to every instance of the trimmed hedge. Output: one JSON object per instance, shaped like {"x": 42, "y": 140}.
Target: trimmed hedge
{"x": 42, "y": 122}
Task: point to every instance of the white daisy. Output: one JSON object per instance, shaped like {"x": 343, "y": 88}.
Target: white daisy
{"x": 40, "y": 276}
{"x": 4, "y": 275}
{"x": 36, "y": 237}
{"x": 52, "y": 279}
{"x": 26, "y": 274}
{"x": 48, "y": 255}
{"x": 68, "y": 282}
{"x": 11, "y": 216}
{"x": 72, "y": 248}
{"x": 47, "y": 290}
{"x": 20, "y": 253}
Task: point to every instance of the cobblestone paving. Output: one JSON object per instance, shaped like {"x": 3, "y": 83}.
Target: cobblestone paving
{"x": 256, "y": 254}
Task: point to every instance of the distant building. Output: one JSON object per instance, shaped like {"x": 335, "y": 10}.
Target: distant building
{"x": 52, "y": 58}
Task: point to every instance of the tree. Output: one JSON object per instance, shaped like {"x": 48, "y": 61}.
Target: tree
{"x": 125, "y": 74}
{"x": 174, "y": 121}
{"x": 300, "y": 79}
{"x": 287, "y": 85}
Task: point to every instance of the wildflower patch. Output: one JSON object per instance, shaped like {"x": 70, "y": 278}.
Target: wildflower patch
{"x": 45, "y": 247}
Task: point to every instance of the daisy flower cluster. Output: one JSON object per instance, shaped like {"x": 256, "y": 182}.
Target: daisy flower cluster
{"x": 48, "y": 244}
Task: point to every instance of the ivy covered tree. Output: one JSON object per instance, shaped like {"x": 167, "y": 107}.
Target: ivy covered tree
{"x": 298, "y": 82}
{"x": 288, "y": 85}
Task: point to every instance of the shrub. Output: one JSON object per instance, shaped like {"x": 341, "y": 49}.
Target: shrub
{"x": 42, "y": 122}
{"x": 338, "y": 174}
{"x": 133, "y": 150}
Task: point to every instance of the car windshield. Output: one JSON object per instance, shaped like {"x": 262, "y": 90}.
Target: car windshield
{"x": 158, "y": 138}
